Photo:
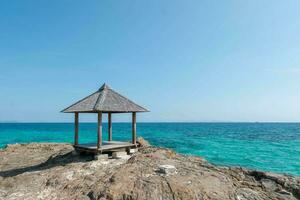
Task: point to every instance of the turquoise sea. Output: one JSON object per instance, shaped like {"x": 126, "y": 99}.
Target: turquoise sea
{"x": 264, "y": 146}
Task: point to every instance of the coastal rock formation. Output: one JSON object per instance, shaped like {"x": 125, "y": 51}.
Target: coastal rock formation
{"x": 52, "y": 171}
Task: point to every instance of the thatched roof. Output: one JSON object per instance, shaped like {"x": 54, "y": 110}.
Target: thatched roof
{"x": 105, "y": 100}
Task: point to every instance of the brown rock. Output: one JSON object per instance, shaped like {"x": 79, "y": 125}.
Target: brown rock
{"x": 142, "y": 142}
{"x": 50, "y": 171}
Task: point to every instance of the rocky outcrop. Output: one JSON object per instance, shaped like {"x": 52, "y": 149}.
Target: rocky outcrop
{"x": 51, "y": 171}
{"x": 142, "y": 142}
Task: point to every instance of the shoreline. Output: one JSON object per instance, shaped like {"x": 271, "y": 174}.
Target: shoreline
{"x": 50, "y": 170}
{"x": 184, "y": 154}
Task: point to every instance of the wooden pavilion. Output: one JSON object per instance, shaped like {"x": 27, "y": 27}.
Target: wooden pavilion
{"x": 105, "y": 100}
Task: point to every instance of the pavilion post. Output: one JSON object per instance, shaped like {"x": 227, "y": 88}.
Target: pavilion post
{"x": 99, "y": 142}
{"x": 134, "y": 128}
{"x": 109, "y": 127}
{"x": 76, "y": 129}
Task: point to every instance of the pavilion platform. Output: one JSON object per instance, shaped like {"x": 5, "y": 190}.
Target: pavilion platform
{"x": 107, "y": 146}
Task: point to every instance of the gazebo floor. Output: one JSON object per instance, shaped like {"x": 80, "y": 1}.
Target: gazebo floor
{"x": 106, "y": 146}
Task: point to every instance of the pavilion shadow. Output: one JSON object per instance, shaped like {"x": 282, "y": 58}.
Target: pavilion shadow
{"x": 53, "y": 161}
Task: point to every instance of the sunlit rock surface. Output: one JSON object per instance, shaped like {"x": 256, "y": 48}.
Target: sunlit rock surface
{"x": 52, "y": 171}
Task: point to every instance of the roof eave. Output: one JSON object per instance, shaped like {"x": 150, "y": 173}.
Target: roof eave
{"x": 105, "y": 111}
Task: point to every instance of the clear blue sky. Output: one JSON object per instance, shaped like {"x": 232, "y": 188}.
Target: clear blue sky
{"x": 184, "y": 60}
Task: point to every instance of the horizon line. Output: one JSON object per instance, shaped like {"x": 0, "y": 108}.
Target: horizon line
{"x": 252, "y": 122}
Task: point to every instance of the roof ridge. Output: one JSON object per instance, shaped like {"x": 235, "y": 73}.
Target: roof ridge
{"x": 104, "y": 86}
{"x": 100, "y": 99}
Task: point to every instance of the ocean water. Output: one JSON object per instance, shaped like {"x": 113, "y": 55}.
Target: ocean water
{"x": 263, "y": 146}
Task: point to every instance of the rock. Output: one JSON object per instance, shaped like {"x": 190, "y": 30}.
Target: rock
{"x": 119, "y": 154}
{"x": 166, "y": 169}
{"x": 248, "y": 194}
{"x": 142, "y": 142}
{"x": 132, "y": 151}
{"x": 101, "y": 157}
{"x": 50, "y": 171}
{"x": 75, "y": 153}
{"x": 269, "y": 184}
{"x": 284, "y": 192}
